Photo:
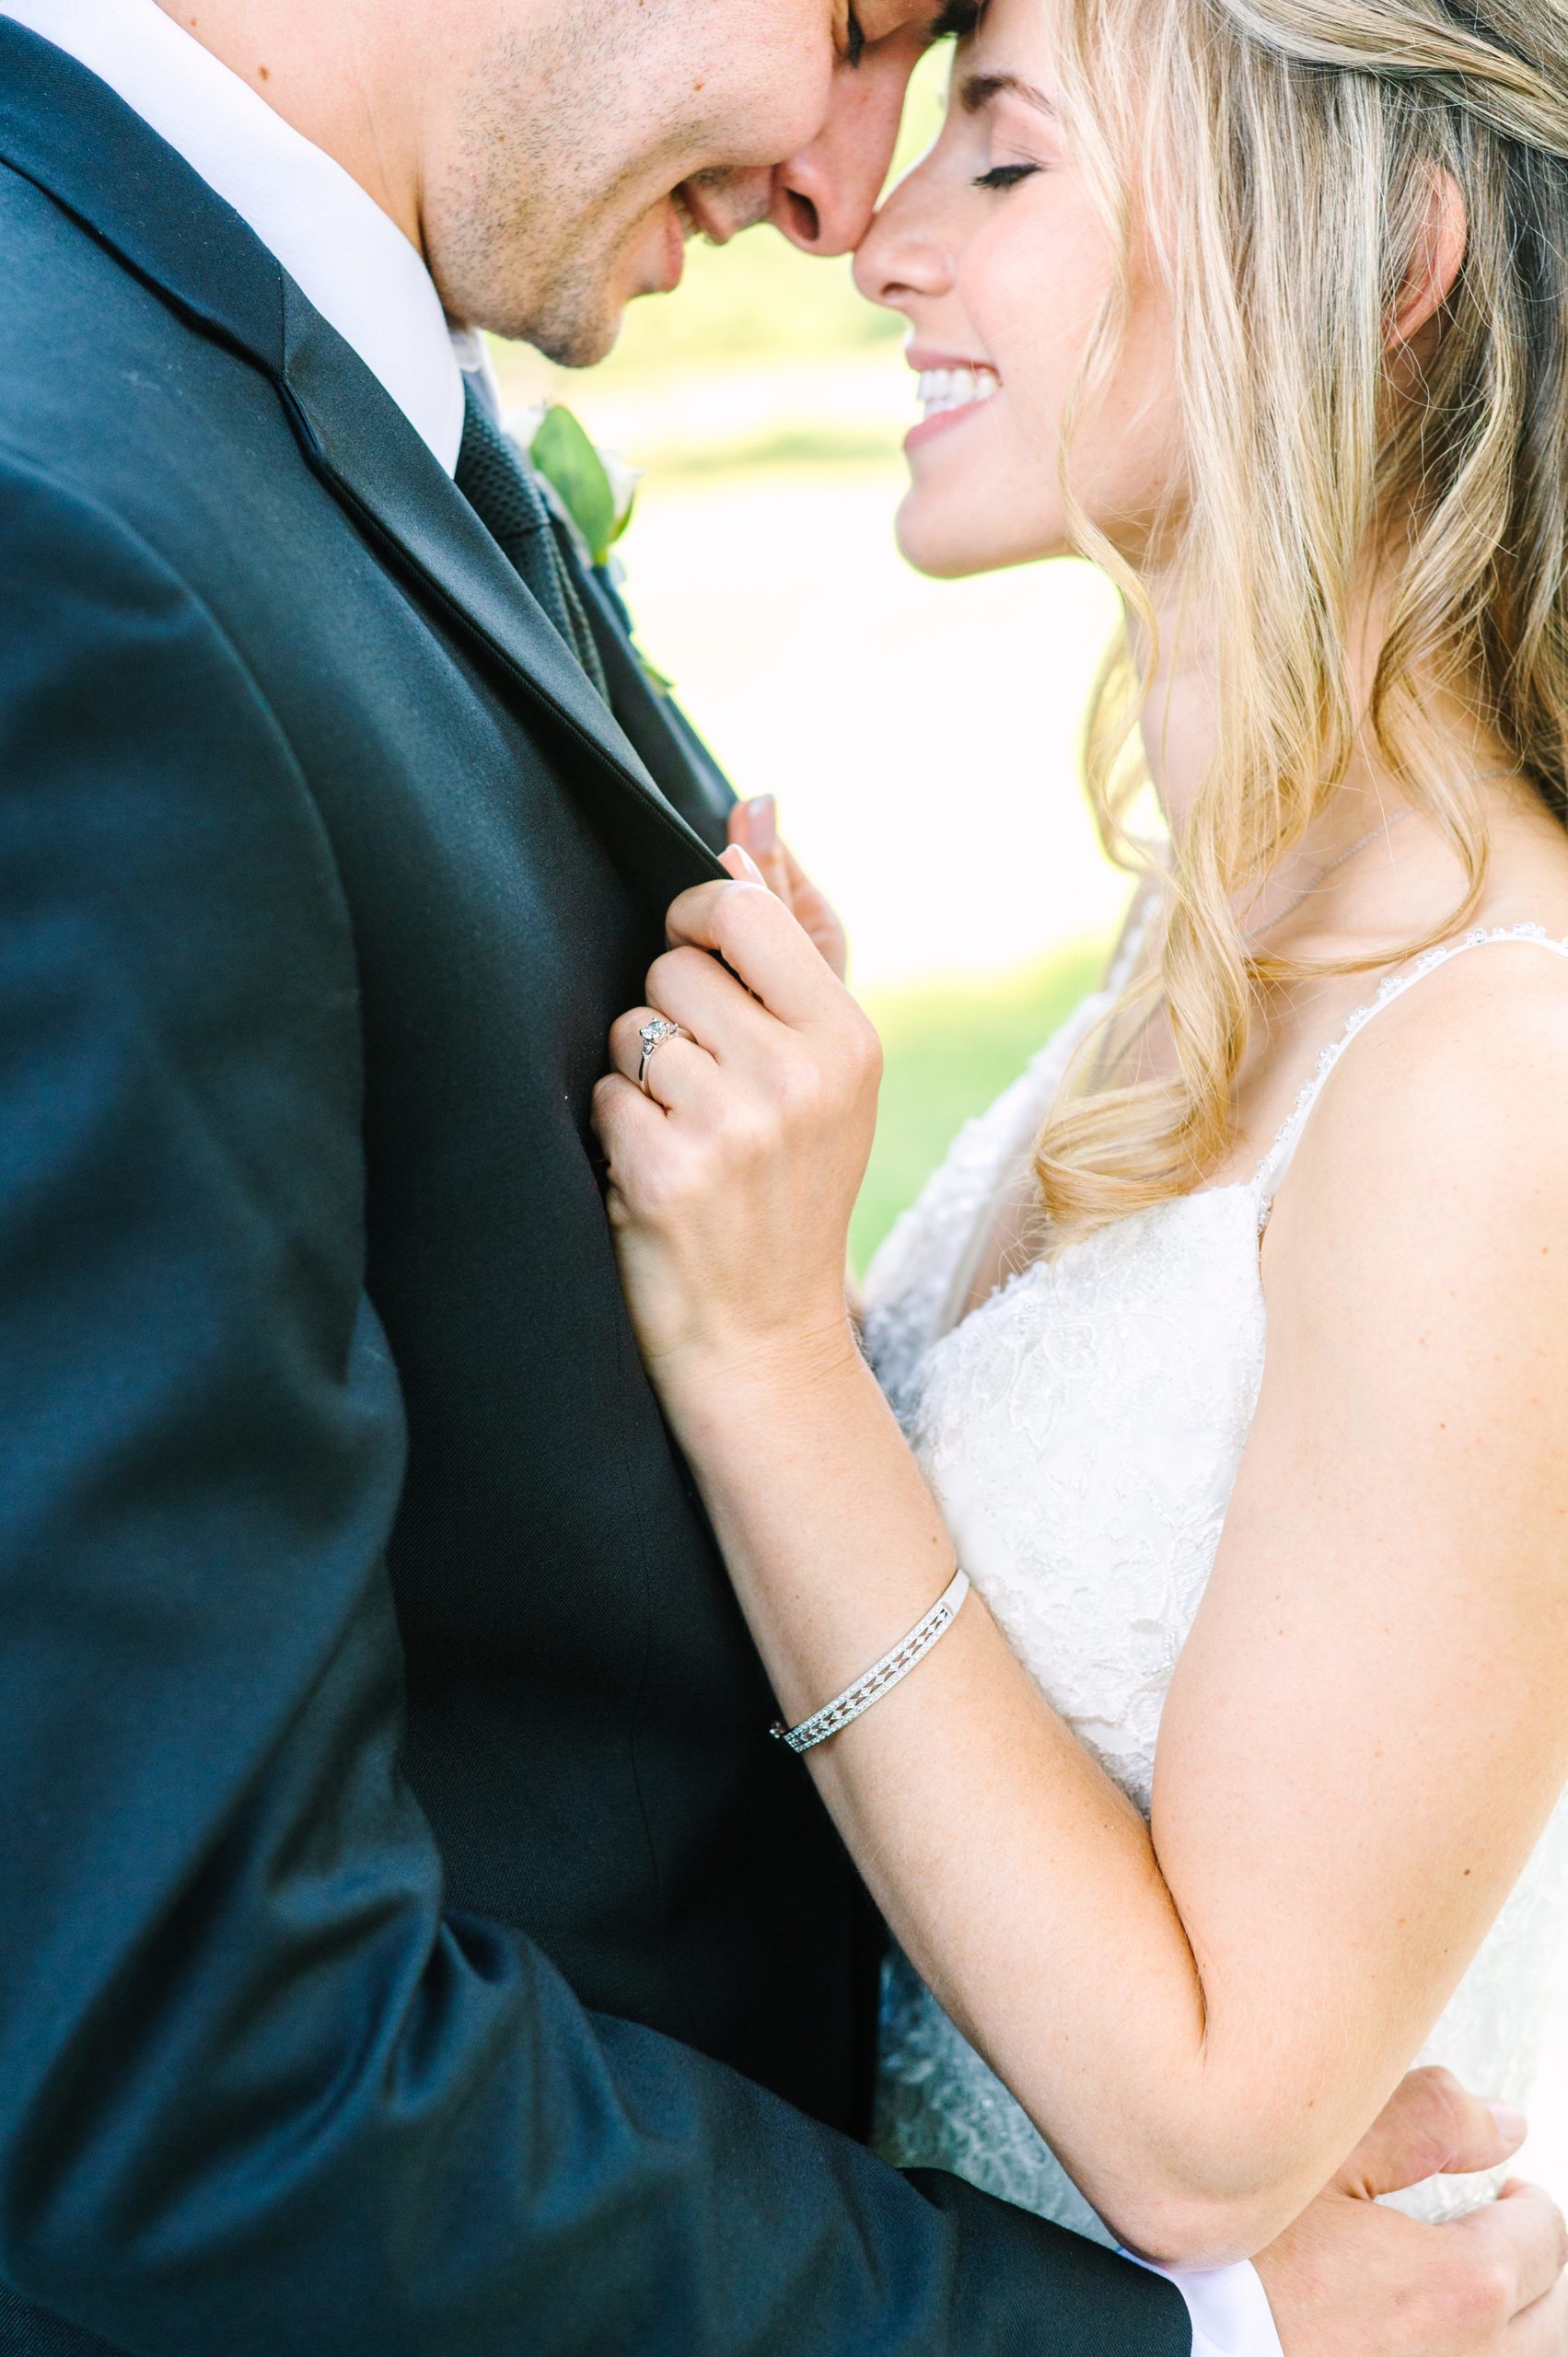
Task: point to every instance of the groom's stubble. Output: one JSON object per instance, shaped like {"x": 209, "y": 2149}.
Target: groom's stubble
{"x": 572, "y": 128}
{"x": 532, "y": 149}
{"x": 556, "y": 151}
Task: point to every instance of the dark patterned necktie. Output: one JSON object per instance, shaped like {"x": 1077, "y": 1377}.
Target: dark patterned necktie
{"x": 511, "y": 506}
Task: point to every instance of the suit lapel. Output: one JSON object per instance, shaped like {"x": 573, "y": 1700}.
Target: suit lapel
{"x": 66, "y": 130}
{"x": 383, "y": 473}
{"x": 684, "y": 771}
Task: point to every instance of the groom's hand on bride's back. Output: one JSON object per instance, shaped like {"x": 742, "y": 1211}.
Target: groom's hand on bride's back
{"x": 1353, "y": 2278}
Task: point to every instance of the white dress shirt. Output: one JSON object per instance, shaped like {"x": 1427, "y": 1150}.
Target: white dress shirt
{"x": 344, "y": 253}
{"x": 362, "y": 274}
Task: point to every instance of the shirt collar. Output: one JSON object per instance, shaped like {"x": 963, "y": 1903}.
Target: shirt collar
{"x": 347, "y": 256}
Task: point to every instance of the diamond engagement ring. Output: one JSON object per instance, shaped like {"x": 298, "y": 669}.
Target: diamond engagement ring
{"x": 653, "y": 1036}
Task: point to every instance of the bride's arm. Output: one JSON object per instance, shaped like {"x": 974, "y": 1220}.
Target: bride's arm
{"x": 1369, "y": 1723}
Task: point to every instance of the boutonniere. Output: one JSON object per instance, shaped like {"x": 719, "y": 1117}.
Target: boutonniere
{"x": 596, "y": 489}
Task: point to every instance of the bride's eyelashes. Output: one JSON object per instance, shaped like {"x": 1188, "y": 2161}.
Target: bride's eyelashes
{"x": 1006, "y": 175}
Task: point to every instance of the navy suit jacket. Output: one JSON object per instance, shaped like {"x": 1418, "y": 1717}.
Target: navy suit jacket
{"x": 411, "y": 1946}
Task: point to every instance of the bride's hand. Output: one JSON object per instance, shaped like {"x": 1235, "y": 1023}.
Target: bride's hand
{"x": 733, "y": 1177}
{"x": 754, "y": 826}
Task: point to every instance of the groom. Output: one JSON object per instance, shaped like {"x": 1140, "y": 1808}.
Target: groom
{"x": 412, "y": 1947}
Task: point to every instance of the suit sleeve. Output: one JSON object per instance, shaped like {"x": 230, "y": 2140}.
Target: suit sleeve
{"x": 261, "y": 2091}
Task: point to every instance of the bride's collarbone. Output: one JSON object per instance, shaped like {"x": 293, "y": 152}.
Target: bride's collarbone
{"x": 1288, "y": 1035}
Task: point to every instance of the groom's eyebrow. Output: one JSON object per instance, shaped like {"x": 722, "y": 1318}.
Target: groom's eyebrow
{"x": 980, "y": 89}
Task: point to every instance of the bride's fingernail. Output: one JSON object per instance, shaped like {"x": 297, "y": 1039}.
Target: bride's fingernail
{"x": 741, "y": 865}
{"x": 1512, "y": 2124}
{"x": 762, "y": 811}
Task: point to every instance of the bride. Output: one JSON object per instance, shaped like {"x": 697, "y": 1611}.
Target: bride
{"x": 1228, "y": 1355}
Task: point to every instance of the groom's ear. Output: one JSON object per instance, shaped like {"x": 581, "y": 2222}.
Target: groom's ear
{"x": 824, "y": 197}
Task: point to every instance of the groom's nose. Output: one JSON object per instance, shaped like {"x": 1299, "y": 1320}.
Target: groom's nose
{"x": 823, "y": 199}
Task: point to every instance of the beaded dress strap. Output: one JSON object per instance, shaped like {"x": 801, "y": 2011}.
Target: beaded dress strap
{"x": 1277, "y": 1161}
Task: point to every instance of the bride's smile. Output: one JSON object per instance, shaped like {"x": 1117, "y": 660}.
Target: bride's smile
{"x": 994, "y": 250}
{"x": 950, "y": 391}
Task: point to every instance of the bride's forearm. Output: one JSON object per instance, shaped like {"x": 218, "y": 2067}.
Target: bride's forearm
{"x": 1021, "y": 1882}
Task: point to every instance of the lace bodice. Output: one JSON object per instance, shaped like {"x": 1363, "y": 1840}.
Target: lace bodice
{"x": 1082, "y": 1430}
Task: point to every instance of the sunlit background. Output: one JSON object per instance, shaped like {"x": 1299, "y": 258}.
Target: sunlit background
{"x": 922, "y": 738}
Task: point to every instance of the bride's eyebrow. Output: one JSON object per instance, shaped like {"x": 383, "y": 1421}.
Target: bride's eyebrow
{"x": 980, "y": 89}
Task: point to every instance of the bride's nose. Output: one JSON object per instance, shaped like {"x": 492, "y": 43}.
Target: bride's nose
{"x": 904, "y": 255}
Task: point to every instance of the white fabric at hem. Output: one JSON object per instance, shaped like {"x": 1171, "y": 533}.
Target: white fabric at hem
{"x": 1229, "y": 2308}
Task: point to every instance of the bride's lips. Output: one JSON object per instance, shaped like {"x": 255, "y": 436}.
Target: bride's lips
{"x": 954, "y": 389}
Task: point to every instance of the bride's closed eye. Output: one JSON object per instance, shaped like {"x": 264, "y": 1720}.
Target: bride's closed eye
{"x": 1011, "y": 119}
{"x": 1002, "y": 176}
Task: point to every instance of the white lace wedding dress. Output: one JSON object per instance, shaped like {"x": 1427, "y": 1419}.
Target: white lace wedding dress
{"x": 1082, "y": 1429}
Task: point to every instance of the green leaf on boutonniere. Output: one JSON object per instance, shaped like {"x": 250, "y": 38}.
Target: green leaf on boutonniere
{"x": 569, "y": 462}
{"x": 597, "y": 488}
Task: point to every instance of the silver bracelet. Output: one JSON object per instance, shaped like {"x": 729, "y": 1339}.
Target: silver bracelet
{"x": 882, "y": 1676}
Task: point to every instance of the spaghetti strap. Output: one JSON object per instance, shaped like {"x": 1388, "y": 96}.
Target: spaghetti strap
{"x": 1277, "y": 1161}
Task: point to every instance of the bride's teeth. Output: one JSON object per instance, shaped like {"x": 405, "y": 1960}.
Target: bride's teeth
{"x": 949, "y": 388}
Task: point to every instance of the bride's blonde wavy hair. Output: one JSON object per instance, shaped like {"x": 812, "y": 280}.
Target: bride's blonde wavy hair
{"x": 1296, "y": 145}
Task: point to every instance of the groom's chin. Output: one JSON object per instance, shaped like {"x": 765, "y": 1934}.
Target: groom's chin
{"x": 581, "y": 325}
{"x": 574, "y": 327}
{"x": 573, "y": 314}
{"x": 581, "y": 346}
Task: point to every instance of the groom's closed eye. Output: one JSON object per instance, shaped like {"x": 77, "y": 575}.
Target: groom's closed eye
{"x": 957, "y": 19}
